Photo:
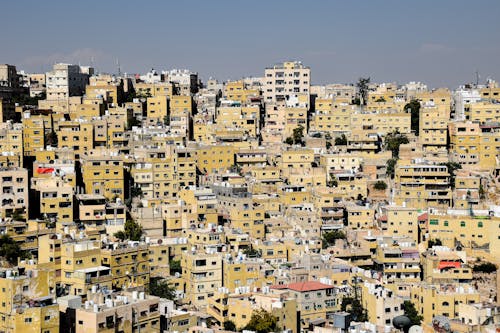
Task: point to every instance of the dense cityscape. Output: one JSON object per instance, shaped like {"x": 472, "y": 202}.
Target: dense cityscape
{"x": 157, "y": 202}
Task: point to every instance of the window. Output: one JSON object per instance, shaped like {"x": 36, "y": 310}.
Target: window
{"x": 462, "y": 223}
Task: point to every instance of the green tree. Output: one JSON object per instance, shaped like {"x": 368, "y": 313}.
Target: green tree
{"x": 412, "y": 313}
{"x": 380, "y": 185}
{"x": 175, "y": 267}
{"x": 341, "y": 140}
{"x": 135, "y": 191}
{"x": 262, "y": 322}
{"x": 362, "y": 86}
{"x": 330, "y": 237}
{"x": 289, "y": 141}
{"x": 332, "y": 183}
{"x": 229, "y": 325}
{"x": 298, "y": 135}
{"x": 251, "y": 252}
{"x": 133, "y": 122}
{"x": 355, "y": 308}
{"x": 452, "y": 167}
{"x": 132, "y": 231}
{"x": 16, "y": 216}
{"x": 414, "y": 107}
{"x": 10, "y": 250}
{"x": 393, "y": 141}
{"x": 434, "y": 242}
{"x": 484, "y": 267}
{"x": 51, "y": 139}
{"x": 391, "y": 167}
{"x": 482, "y": 192}
{"x": 162, "y": 288}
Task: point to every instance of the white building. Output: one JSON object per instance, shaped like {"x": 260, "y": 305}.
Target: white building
{"x": 67, "y": 80}
{"x": 462, "y": 96}
{"x": 186, "y": 80}
{"x": 283, "y": 80}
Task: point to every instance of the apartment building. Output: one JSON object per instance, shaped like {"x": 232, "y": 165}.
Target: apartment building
{"x": 113, "y": 312}
{"x": 65, "y": 80}
{"x": 315, "y": 300}
{"x": 382, "y": 304}
{"x": 27, "y": 303}
{"x": 14, "y": 185}
{"x": 128, "y": 264}
{"x": 421, "y": 185}
{"x": 102, "y": 173}
{"x": 285, "y": 79}
{"x": 433, "y": 300}
{"x": 202, "y": 277}
{"x": 397, "y": 260}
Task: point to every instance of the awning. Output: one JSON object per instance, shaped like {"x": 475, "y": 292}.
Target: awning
{"x": 448, "y": 264}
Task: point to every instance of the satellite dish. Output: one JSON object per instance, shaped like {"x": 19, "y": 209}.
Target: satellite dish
{"x": 416, "y": 329}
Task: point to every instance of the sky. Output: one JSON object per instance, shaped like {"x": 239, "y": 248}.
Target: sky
{"x": 440, "y": 43}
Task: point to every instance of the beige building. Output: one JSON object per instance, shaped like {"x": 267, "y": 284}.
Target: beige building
{"x": 125, "y": 312}
{"x": 14, "y": 189}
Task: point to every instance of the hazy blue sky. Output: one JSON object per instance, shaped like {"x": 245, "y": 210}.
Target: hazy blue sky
{"x": 437, "y": 42}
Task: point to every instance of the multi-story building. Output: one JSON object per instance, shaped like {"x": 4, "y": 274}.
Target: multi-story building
{"x": 283, "y": 80}
{"x": 67, "y": 80}
{"x": 433, "y": 300}
{"x": 128, "y": 263}
{"x": 382, "y": 304}
{"x": 157, "y": 107}
{"x": 397, "y": 260}
{"x": 113, "y": 312}
{"x": 14, "y": 189}
{"x": 483, "y": 112}
{"x": 81, "y": 267}
{"x": 77, "y": 135}
{"x": 90, "y": 211}
{"x": 382, "y": 122}
{"x": 26, "y": 302}
{"x": 55, "y": 198}
{"x": 202, "y": 277}
{"x": 8, "y": 77}
{"x": 214, "y": 158}
{"x": 11, "y": 143}
{"x": 422, "y": 185}
{"x": 315, "y": 300}
{"x": 102, "y": 174}
{"x": 185, "y": 80}
{"x": 397, "y": 221}
{"x": 443, "y": 265}
{"x": 473, "y": 230}
{"x": 239, "y": 307}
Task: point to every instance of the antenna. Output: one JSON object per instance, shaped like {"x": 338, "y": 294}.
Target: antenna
{"x": 477, "y": 78}
{"x": 118, "y": 65}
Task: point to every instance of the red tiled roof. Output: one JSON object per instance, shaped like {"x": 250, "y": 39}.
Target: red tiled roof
{"x": 303, "y": 286}
{"x": 423, "y": 217}
{"x": 383, "y": 218}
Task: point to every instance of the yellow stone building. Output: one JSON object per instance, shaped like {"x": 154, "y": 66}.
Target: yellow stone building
{"x": 103, "y": 174}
